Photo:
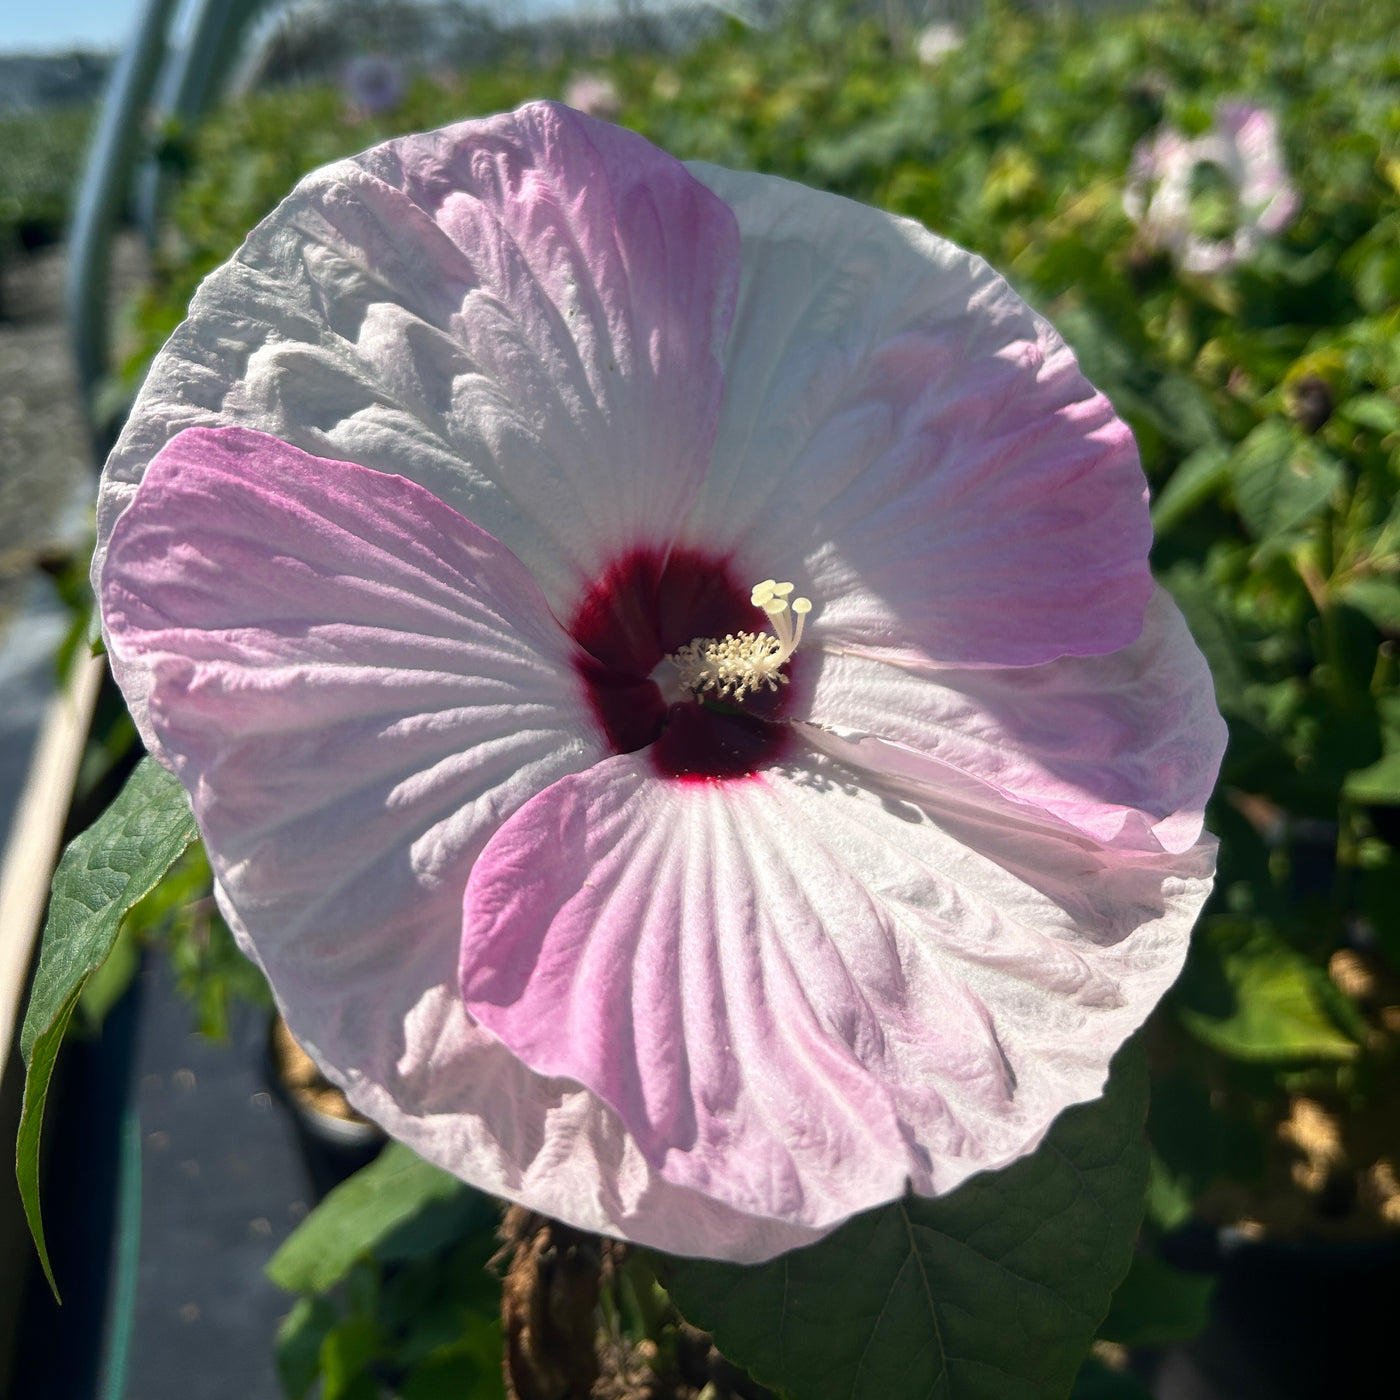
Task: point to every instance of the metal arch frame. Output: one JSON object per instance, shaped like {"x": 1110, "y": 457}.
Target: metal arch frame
{"x": 191, "y": 76}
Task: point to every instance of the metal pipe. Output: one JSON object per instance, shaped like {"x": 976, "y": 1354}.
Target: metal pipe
{"x": 111, "y": 157}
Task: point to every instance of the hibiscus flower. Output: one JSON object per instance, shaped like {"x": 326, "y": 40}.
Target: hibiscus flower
{"x": 456, "y": 556}
{"x": 1212, "y": 234}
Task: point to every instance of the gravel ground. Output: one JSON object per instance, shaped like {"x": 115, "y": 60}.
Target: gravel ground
{"x": 44, "y": 454}
{"x": 46, "y": 467}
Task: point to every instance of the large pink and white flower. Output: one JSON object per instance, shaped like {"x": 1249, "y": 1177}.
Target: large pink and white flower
{"x": 417, "y": 558}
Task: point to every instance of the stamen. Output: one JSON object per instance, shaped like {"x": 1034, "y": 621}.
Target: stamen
{"x": 744, "y": 661}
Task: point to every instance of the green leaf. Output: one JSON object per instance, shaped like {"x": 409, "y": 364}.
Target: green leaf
{"x": 1249, "y": 995}
{"x": 1375, "y": 411}
{"x": 1201, "y": 477}
{"x": 1213, "y": 633}
{"x": 1186, "y": 411}
{"x": 1157, "y": 1305}
{"x": 448, "y": 1377}
{"x": 1377, "y": 598}
{"x": 1281, "y": 479}
{"x": 1168, "y": 1201}
{"x": 106, "y": 984}
{"x": 1378, "y": 784}
{"x": 358, "y": 1214}
{"x": 453, "y": 1216}
{"x": 113, "y": 865}
{"x": 990, "y": 1293}
{"x": 346, "y": 1353}
{"x": 299, "y": 1340}
{"x": 104, "y": 873}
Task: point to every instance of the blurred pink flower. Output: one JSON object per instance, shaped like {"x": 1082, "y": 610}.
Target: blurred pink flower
{"x": 593, "y": 94}
{"x": 1243, "y": 145}
{"x": 417, "y": 559}
{"x": 373, "y": 84}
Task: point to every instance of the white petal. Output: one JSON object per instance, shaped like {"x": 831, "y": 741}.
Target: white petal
{"x": 521, "y": 314}
{"x": 910, "y": 444}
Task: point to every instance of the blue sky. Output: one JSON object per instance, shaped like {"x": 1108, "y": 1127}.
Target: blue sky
{"x": 49, "y": 26}
{"x": 44, "y": 26}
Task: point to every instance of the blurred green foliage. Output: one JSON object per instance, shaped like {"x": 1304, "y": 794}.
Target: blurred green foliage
{"x": 41, "y": 156}
{"x": 1266, "y": 404}
{"x": 393, "y": 1265}
{"x": 180, "y": 919}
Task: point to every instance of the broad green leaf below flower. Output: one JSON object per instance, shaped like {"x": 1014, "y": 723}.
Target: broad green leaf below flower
{"x": 918, "y": 1299}
{"x": 357, "y": 1215}
{"x": 113, "y": 865}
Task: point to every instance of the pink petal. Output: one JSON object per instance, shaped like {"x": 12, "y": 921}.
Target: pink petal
{"x": 355, "y": 684}
{"x": 1252, "y": 154}
{"x": 408, "y": 1056}
{"x": 522, "y": 314}
{"x": 797, "y": 993}
{"x": 1123, "y": 748}
{"x": 910, "y": 444}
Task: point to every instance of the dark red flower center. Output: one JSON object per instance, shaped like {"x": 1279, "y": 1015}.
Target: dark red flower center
{"x": 644, "y": 609}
